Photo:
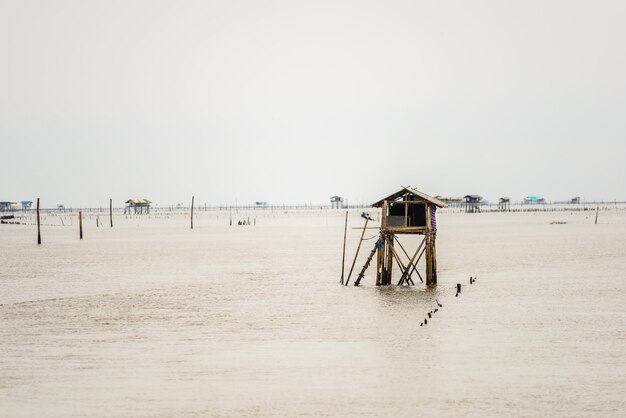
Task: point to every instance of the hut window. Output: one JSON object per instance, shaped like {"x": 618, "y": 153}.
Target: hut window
{"x": 417, "y": 215}
{"x": 397, "y": 214}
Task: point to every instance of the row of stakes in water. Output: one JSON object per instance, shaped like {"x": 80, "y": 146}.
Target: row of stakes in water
{"x": 434, "y": 311}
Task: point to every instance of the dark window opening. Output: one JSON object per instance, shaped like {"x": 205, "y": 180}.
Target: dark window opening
{"x": 396, "y": 215}
{"x": 417, "y": 215}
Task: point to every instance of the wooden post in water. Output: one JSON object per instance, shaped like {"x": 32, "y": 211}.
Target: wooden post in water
{"x": 343, "y": 259}
{"x": 192, "y": 199}
{"x": 38, "y": 225}
{"x": 431, "y": 262}
{"x": 597, "y": 208}
{"x": 389, "y": 266}
{"x": 80, "y": 223}
{"x": 111, "y": 211}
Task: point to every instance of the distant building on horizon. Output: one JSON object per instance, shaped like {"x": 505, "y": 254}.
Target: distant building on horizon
{"x": 8, "y": 205}
{"x": 504, "y": 204}
{"x": 336, "y": 202}
{"x": 452, "y": 201}
{"x": 139, "y": 206}
{"x": 533, "y": 200}
{"x": 472, "y": 203}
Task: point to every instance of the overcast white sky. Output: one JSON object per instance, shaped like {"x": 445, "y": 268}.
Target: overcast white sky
{"x": 293, "y": 101}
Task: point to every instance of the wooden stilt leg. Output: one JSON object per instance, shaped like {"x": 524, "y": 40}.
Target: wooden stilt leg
{"x": 379, "y": 263}
{"x": 431, "y": 274}
{"x": 390, "y": 239}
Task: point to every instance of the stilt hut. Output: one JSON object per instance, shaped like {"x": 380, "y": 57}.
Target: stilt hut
{"x": 336, "y": 202}
{"x": 452, "y": 201}
{"x": 406, "y": 212}
{"x": 138, "y": 206}
{"x": 504, "y": 204}
{"x": 472, "y": 203}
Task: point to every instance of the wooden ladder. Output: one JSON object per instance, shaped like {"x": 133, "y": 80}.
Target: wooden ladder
{"x": 367, "y": 262}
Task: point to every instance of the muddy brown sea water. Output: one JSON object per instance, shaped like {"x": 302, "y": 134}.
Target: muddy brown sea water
{"x": 151, "y": 318}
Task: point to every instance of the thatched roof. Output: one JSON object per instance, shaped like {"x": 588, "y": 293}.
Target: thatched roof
{"x": 410, "y": 191}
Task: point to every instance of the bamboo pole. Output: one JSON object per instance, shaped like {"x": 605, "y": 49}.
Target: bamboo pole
{"x": 111, "y": 211}
{"x": 389, "y": 269}
{"x": 412, "y": 266}
{"x": 357, "y": 251}
{"x": 405, "y": 274}
{"x": 414, "y": 269}
{"x": 597, "y": 208}
{"x": 403, "y": 269}
{"x": 192, "y": 200}
{"x": 379, "y": 258}
{"x": 38, "y": 225}
{"x": 80, "y": 223}
{"x": 366, "y": 265}
{"x": 343, "y": 259}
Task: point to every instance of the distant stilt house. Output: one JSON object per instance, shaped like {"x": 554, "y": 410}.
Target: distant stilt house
{"x": 504, "y": 204}
{"x": 26, "y": 204}
{"x": 472, "y": 203}
{"x": 336, "y": 202}
{"x": 575, "y": 200}
{"x": 7, "y": 206}
{"x": 137, "y": 206}
{"x": 534, "y": 200}
{"x": 260, "y": 205}
{"x": 406, "y": 212}
{"x": 453, "y": 201}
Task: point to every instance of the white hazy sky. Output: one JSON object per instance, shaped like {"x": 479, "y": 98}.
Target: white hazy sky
{"x": 295, "y": 101}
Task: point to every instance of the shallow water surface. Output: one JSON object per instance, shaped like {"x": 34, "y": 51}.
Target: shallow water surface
{"x": 151, "y": 318}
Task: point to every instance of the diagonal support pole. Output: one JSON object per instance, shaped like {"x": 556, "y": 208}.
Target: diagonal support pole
{"x": 403, "y": 269}
{"x": 357, "y": 251}
{"x": 398, "y": 262}
{"x": 413, "y": 265}
{"x": 404, "y": 276}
